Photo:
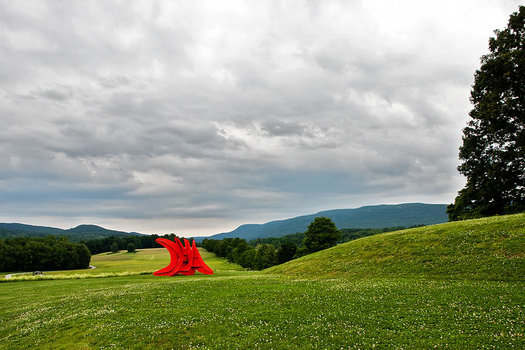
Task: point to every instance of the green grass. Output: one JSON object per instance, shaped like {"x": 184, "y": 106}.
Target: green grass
{"x": 317, "y": 305}
{"x": 143, "y": 261}
{"x": 260, "y": 311}
{"x": 485, "y": 249}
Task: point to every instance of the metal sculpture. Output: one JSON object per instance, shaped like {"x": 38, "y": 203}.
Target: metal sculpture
{"x": 185, "y": 260}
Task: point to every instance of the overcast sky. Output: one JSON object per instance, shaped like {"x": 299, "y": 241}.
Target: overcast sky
{"x": 194, "y": 117}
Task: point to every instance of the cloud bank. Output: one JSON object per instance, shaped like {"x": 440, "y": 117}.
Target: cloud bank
{"x": 194, "y": 117}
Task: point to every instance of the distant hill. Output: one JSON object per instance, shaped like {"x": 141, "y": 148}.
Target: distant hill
{"x": 81, "y": 232}
{"x": 376, "y": 216}
{"x": 490, "y": 249}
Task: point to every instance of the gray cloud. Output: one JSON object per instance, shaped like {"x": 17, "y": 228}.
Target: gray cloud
{"x": 193, "y": 118}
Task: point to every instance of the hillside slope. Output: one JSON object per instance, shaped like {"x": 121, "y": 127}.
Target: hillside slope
{"x": 76, "y": 234}
{"x": 489, "y": 248}
{"x": 375, "y": 216}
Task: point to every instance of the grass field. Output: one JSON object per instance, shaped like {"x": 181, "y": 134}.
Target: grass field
{"x": 143, "y": 261}
{"x": 485, "y": 249}
{"x": 316, "y": 302}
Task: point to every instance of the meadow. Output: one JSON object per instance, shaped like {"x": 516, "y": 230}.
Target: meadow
{"x": 455, "y": 286}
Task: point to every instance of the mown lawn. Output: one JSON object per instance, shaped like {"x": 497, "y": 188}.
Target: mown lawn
{"x": 252, "y": 310}
{"x": 452, "y": 286}
{"x": 147, "y": 260}
{"x": 143, "y": 261}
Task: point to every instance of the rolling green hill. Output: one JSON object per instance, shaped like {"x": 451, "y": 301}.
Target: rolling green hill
{"x": 489, "y": 249}
{"x": 12, "y": 230}
{"x": 375, "y": 216}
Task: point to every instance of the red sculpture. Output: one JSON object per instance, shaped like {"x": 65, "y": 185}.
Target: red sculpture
{"x": 185, "y": 260}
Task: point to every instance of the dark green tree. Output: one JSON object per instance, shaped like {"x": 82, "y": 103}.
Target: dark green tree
{"x": 493, "y": 150}
{"x": 240, "y": 248}
{"x": 286, "y": 252}
{"x": 84, "y": 255}
{"x": 36, "y": 253}
{"x": 321, "y": 234}
{"x": 131, "y": 247}
{"x": 114, "y": 247}
{"x": 265, "y": 256}
{"x": 246, "y": 259}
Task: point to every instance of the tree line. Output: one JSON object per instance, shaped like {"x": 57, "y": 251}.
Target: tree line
{"x": 266, "y": 252}
{"x": 36, "y": 253}
{"x": 238, "y": 251}
{"x": 347, "y": 234}
{"x": 58, "y": 253}
{"x": 130, "y": 243}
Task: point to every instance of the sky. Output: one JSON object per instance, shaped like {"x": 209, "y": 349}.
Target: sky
{"x": 195, "y": 117}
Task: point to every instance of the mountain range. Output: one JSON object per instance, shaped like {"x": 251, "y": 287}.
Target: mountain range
{"x": 81, "y": 232}
{"x": 375, "y": 216}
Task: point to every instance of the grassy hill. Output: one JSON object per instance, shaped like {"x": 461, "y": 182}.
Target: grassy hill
{"x": 375, "y": 216}
{"x": 451, "y": 286}
{"x": 489, "y": 248}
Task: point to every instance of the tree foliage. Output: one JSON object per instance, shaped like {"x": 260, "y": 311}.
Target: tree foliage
{"x": 321, "y": 234}
{"x": 286, "y": 252}
{"x": 101, "y": 245}
{"x": 237, "y": 251}
{"x": 265, "y": 256}
{"x": 493, "y": 150}
{"x": 50, "y": 253}
{"x": 114, "y": 247}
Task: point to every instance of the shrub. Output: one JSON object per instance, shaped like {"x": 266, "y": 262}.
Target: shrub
{"x": 131, "y": 247}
